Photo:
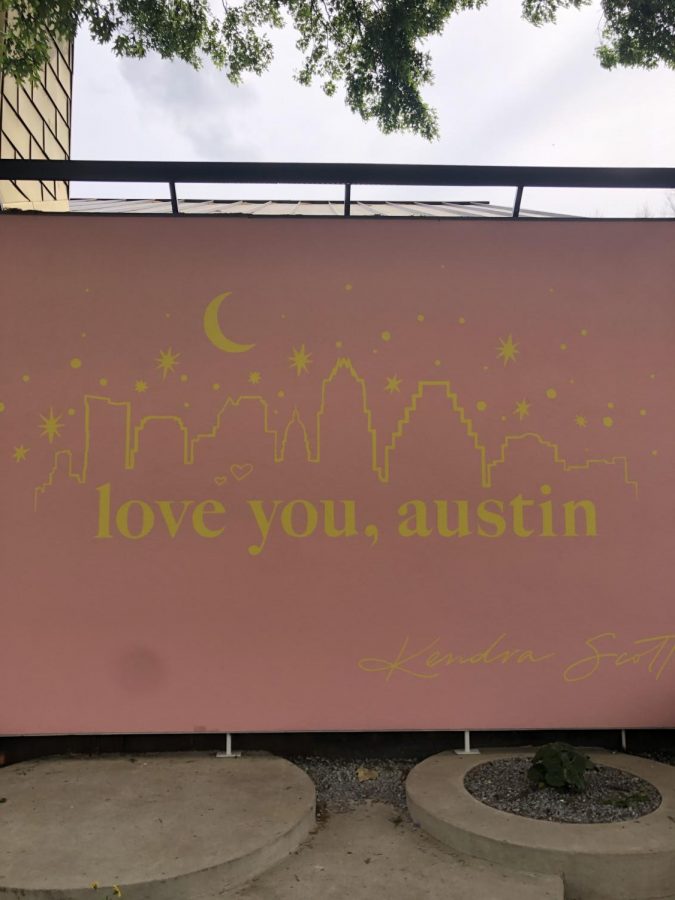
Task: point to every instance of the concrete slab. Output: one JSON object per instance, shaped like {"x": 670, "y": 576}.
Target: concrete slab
{"x": 165, "y": 827}
{"x": 632, "y": 860}
{"x": 373, "y": 853}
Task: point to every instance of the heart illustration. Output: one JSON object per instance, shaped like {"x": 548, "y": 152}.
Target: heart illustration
{"x": 241, "y": 471}
{"x": 220, "y": 480}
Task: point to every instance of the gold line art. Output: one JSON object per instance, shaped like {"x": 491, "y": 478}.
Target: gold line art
{"x": 346, "y": 364}
{"x": 231, "y": 402}
{"x": 76, "y": 476}
{"x": 405, "y": 420}
{"x": 132, "y": 451}
{"x": 557, "y": 458}
{"x": 294, "y": 420}
{"x": 279, "y": 438}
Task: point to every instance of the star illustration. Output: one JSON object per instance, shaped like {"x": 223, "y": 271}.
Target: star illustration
{"x": 141, "y": 386}
{"x": 581, "y": 421}
{"x": 300, "y": 360}
{"x": 254, "y": 378}
{"x": 167, "y": 362}
{"x": 20, "y": 453}
{"x": 51, "y": 426}
{"x": 393, "y": 385}
{"x": 507, "y": 350}
{"x": 522, "y": 409}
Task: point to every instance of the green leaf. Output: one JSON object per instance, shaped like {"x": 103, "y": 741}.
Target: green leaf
{"x": 373, "y": 49}
{"x": 560, "y": 766}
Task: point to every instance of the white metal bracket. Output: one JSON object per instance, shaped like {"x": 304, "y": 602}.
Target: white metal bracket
{"x": 227, "y": 753}
{"x": 467, "y": 751}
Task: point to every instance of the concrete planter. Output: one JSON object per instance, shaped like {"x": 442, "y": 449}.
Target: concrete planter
{"x": 632, "y": 860}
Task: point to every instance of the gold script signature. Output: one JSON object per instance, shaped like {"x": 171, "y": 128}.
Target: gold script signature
{"x": 654, "y": 654}
{"x": 422, "y": 663}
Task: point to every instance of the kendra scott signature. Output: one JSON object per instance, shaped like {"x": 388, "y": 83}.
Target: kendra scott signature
{"x": 425, "y": 662}
{"x": 652, "y": 654}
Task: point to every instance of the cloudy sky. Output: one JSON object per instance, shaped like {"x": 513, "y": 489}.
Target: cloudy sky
{"x": 506, "y": 93}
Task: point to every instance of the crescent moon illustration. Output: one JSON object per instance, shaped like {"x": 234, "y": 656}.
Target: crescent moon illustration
{"x": 213, "y": 331}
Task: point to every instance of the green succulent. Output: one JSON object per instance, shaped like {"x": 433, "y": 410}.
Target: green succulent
{"x": 560, "y": 766}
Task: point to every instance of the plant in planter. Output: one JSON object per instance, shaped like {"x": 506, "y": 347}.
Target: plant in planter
{"x": 560, "y": 766}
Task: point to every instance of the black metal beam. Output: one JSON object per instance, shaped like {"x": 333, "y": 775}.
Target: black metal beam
{"x": 174, "y": 197}
{"x": 334, "y": 173}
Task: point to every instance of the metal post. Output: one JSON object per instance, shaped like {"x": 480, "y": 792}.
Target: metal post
{"x": 516, "y": 205}
{"x": 624, "y": 745}
{"x": 228, "y": 754}
{"x": 348, "y": 200}
{"x": 174, "y": 198}
{"x": 467, "y": 751}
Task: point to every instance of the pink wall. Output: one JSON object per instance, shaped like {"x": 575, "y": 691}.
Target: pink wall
{"x": 406, "y": 474}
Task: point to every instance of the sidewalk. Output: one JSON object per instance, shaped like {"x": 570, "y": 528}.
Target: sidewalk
{"x": 373, "y": 852}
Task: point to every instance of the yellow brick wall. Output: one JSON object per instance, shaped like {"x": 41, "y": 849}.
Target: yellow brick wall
{"x": 35, "y": 124}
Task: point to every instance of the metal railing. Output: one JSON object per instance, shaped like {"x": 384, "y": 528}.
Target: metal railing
{"x": 345, "y": 174}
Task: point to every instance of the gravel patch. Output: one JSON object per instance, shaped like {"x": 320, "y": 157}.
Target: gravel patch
{"x": 611, "y": 794}
{"x": 343, "y": 784}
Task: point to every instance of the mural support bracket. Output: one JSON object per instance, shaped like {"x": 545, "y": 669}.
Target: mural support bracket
{"x": 468, "y": 750}
{"x": 227, "y": 753}
{"x": 174, "y": 198}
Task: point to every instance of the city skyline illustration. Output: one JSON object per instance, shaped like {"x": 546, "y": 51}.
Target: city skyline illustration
{"x": 304, "y": 433}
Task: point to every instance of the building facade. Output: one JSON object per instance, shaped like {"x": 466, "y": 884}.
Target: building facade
{"x": 35, "y": 123}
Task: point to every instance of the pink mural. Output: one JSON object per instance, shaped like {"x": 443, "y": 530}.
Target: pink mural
{"x": 336, "y": 475}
